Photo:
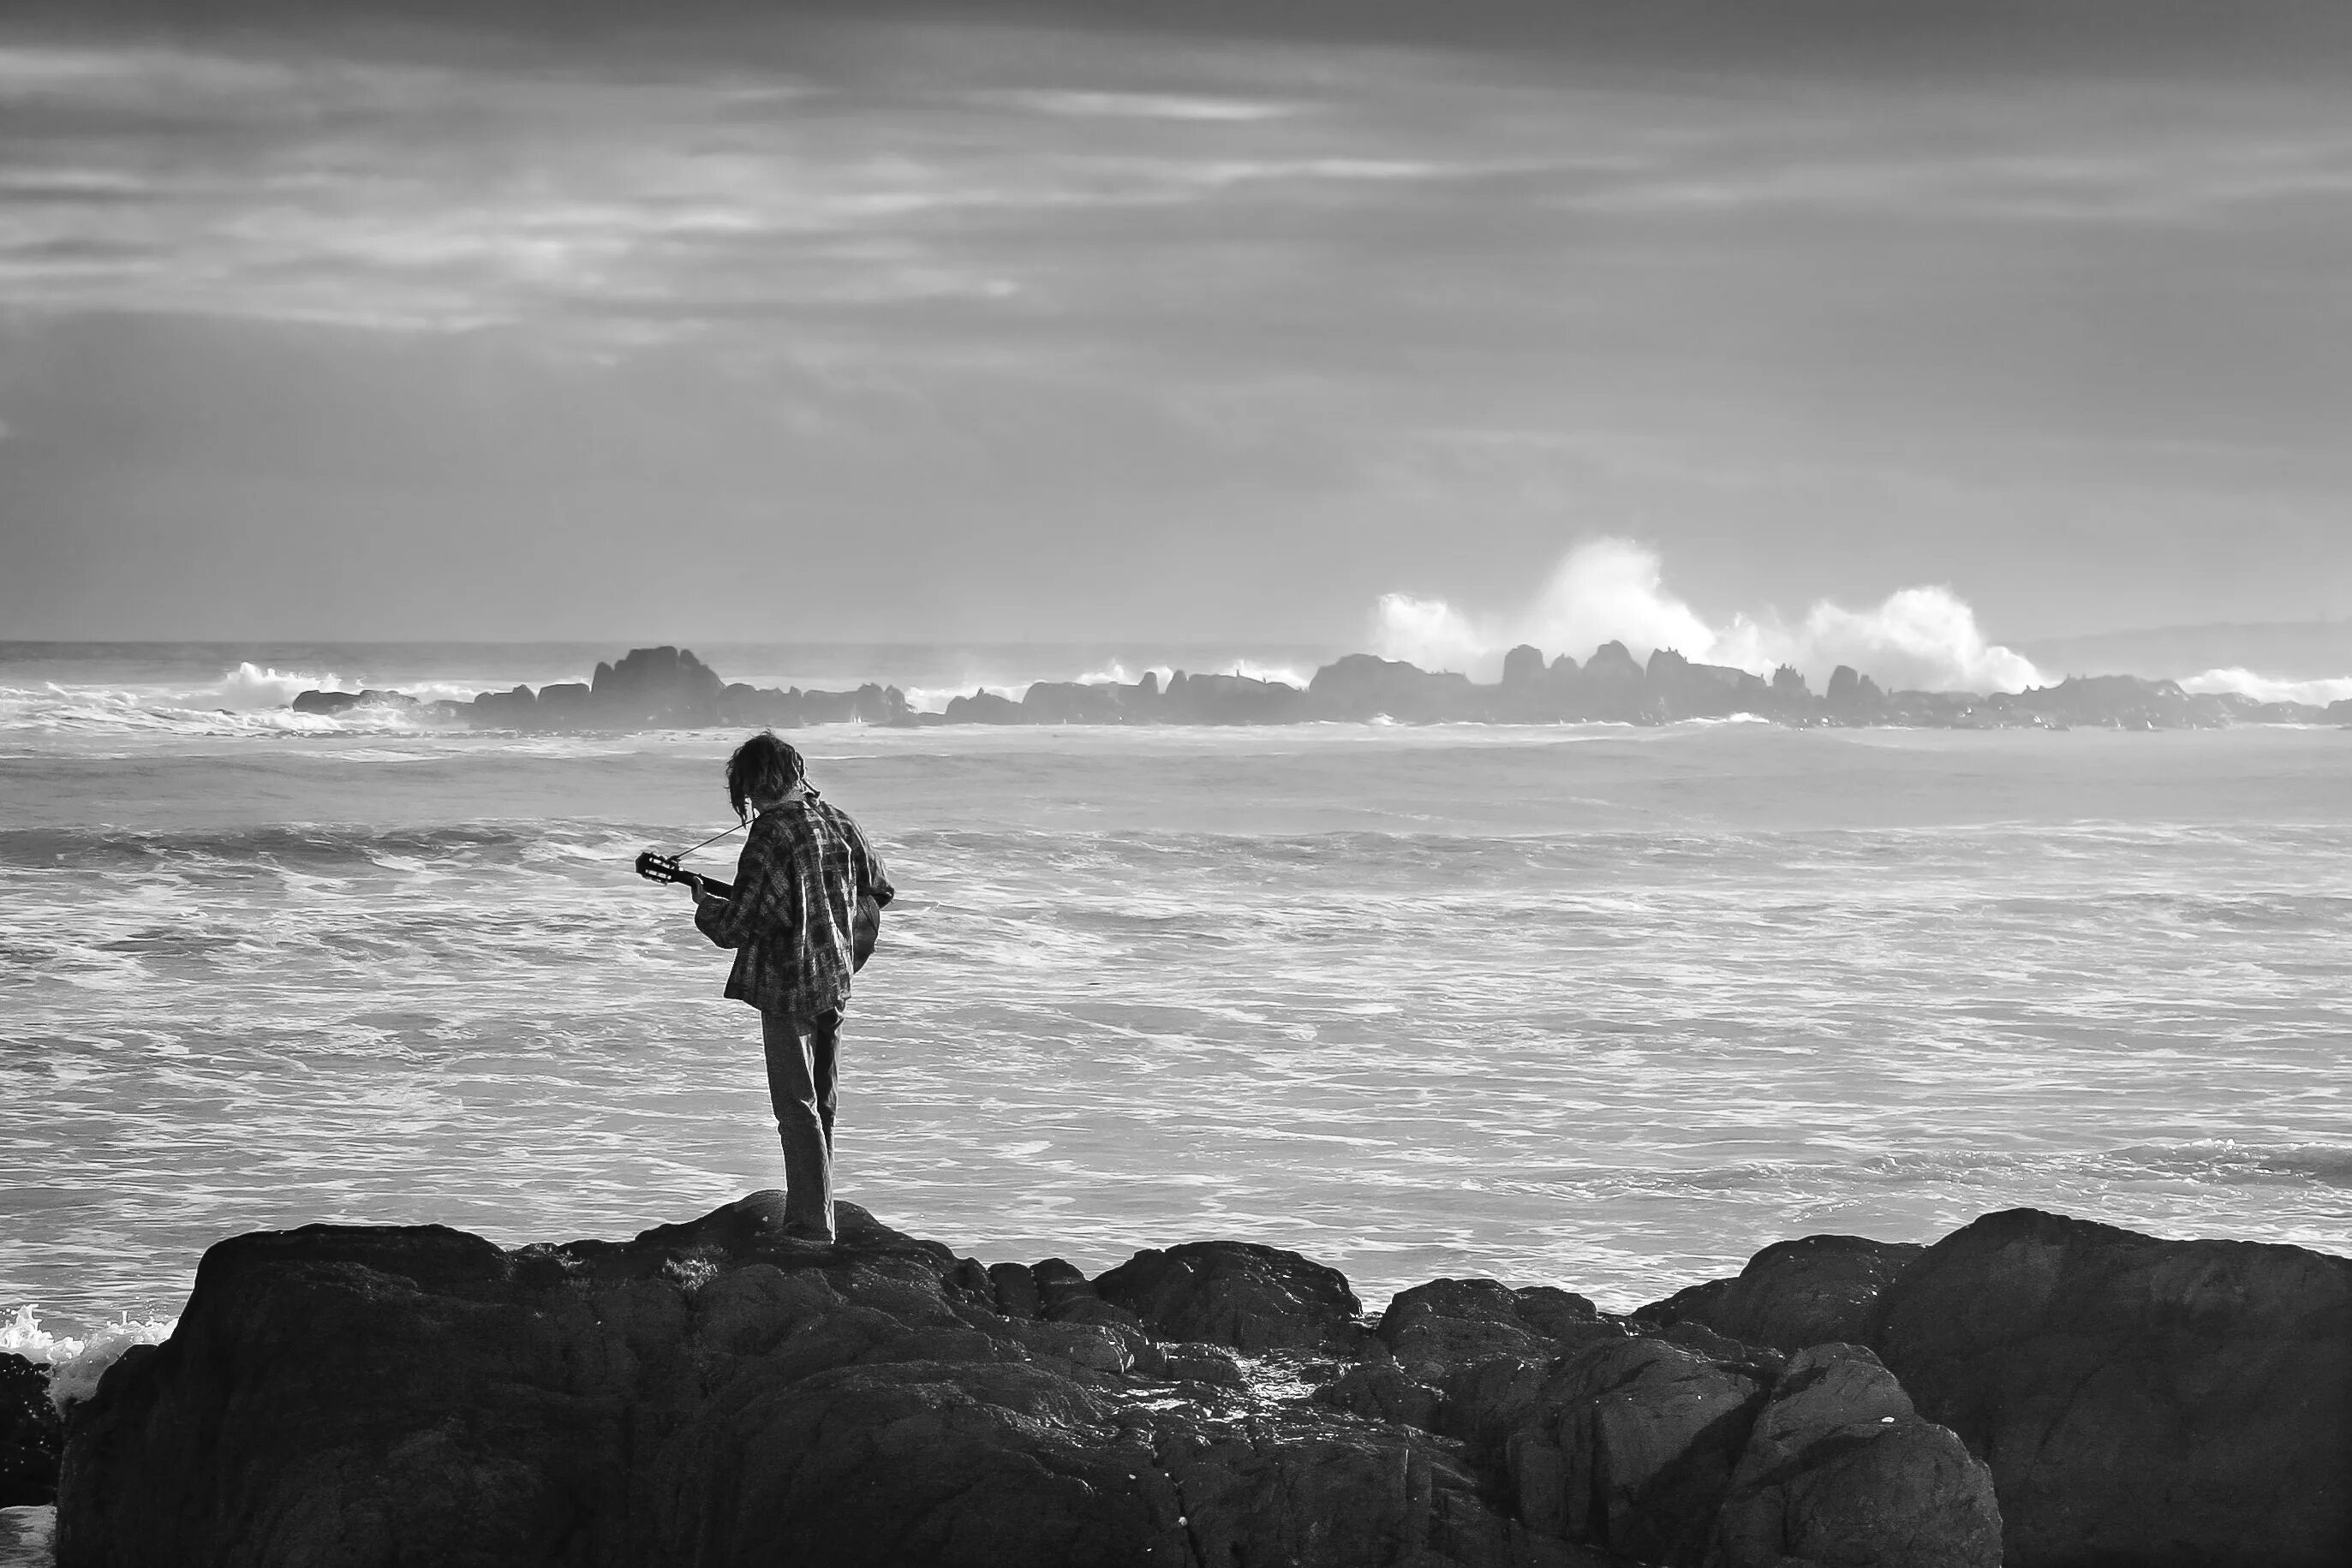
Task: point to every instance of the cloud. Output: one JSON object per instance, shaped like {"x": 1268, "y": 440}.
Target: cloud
{"x": 1141, "y": 106}
{"x": 1612, "y": 590}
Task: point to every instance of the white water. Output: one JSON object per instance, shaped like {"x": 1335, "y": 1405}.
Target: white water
{"x": 1597, "y": 1007}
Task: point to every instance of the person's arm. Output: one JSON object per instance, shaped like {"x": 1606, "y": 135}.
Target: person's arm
{"x": 732, "y": 921}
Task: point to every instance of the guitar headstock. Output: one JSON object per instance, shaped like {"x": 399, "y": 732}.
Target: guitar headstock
{"x": 662, "y": 868}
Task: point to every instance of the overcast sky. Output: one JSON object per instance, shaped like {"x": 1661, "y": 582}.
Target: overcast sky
{"x": 1082, "y": 322}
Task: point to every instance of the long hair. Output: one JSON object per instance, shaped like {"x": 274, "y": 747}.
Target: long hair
{"x": 763, "y": 766}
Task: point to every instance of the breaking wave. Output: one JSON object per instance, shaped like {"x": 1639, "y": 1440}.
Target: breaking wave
{"x": 2266, "y": 688}
{"x": 90, "y": 710}
{"x": 1608, "y": 589}
{"x": 76, "y": 1364}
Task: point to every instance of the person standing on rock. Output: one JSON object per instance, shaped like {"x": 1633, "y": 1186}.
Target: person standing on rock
{"x": 807, "y": 878}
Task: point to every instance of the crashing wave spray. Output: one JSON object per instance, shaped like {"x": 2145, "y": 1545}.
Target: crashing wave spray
{"x": 1612, "y": 590}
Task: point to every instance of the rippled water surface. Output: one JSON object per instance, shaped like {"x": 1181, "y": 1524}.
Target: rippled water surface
{"x": 1598, "y": 1007}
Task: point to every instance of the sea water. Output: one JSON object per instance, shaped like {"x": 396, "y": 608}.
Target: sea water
{"x": 1593, "y": 1005}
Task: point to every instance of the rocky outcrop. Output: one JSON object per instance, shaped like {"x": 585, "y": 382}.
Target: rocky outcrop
{"x": 1792, "y": 1294}
{"x": 30, "y": 1434}
{"x": 1852, "y": 696}
{"x": 657, "y": 686}
{"x": 1839, "y": 1467}
{"x": 1681, "y": 689}
{"x": 1233, "y": 699}
{"x": 330, "y": 705}
{"x": 669, "y": 687}
{"x": 1363, "y": 686}
{"x": 2138, "y": 1401}
{"x": 1630, "y": 1445}
{"x": 1254, "y": 1299}
{"x": 985, "y": 708}
{"x": 709, "y": 1389}
{"x": 1101, "y": 702}
{"x": 1448, "y": 1323}
{"x": 1523, "y": 669}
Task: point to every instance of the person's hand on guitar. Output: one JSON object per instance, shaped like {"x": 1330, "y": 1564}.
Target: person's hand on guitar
{"x": 703, "y": 897}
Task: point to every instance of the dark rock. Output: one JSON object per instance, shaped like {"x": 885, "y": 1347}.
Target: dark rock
{"x": 1059, "y": 1282}
{"x": 713, "y": 1393}
{"x": 30, "y": 1434}
{"x": 2124, "y": 702}
{"x": 516, "y": 709}
{"x": 743, "y": 704}
{"x": 1383, "y": 1391}
{"x": 1363, "y": 686}
{"x": 1681, "y": 689}
{"x": 1793, "y": 1293}
{"x": 1094, "y": 1310}
{"x": 869, "y": 704}
{"x": 1232, "y": 699}
{"x": 1237, "y": 1293}
{"x": 1017, "y": 1290}
{"x": 327, "y": 704}
{"x": 1630, "y": 1445}
{"x": 1482, "y": 1403}
{"x": 985, "y": 708}
{"x": 2139, "y": 1401}
{"x": 1612, "y": 686}
{"x": 664, "y": 687}
{"x": 332, "y": 703}
{"x": 1101, "y": 702}
{"x": 1452, "y": 1322}
{"x": 1839, "y": 1467}
{"x": 1758, "y": 1361}
{"x": 1853, "y": 696}
{"x": 1523, "y": 666}
{"x": 1195, "y": 1362}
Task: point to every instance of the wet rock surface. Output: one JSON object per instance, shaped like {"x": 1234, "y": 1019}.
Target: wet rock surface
{"x": 1840, "y": 1467}
{"x": 30, "y": 1434}
{"x": 1254, "y": 1299}
{"x": 707, "y": 1391}
{"x": 2139, "y": 1400}
{"x": 1815, "y": 1291}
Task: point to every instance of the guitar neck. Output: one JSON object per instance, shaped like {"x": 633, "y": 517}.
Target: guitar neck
{"x": 711, "y": 885}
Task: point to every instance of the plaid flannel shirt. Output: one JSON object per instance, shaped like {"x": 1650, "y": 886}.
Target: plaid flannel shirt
{"x": 796, "y": 890}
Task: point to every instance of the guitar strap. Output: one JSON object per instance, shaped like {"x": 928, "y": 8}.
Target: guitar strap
{"x": 711, "y": 840}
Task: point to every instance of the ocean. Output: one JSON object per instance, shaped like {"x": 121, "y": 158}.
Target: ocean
{"x": 1593, "y": 1005}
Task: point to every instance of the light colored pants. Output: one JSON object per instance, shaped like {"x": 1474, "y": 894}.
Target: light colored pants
{"x": 801, "y": 1082}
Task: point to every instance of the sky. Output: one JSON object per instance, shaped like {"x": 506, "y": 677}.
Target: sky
{"x": 1362, "y": 324}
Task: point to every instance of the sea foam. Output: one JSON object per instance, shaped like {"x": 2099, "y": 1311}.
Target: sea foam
{"x": 77, "y": 1365}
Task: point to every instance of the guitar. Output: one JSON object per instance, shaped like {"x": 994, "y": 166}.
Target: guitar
{"x": 864, "y": 925}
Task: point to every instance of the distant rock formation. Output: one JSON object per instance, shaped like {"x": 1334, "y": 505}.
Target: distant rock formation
{"x": 1684, "y": 690}
{"x": 329, "y": 704}
{"x": 985, "y": 708}
{"x": 1233, "y": 699}
{"x": 2061, "y": 1392}
{"x": 1523, "y": 668}
{"x": 656, "y": 687}
{"x": 1363, "y": 686}
{"x": 661, "y": 688}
